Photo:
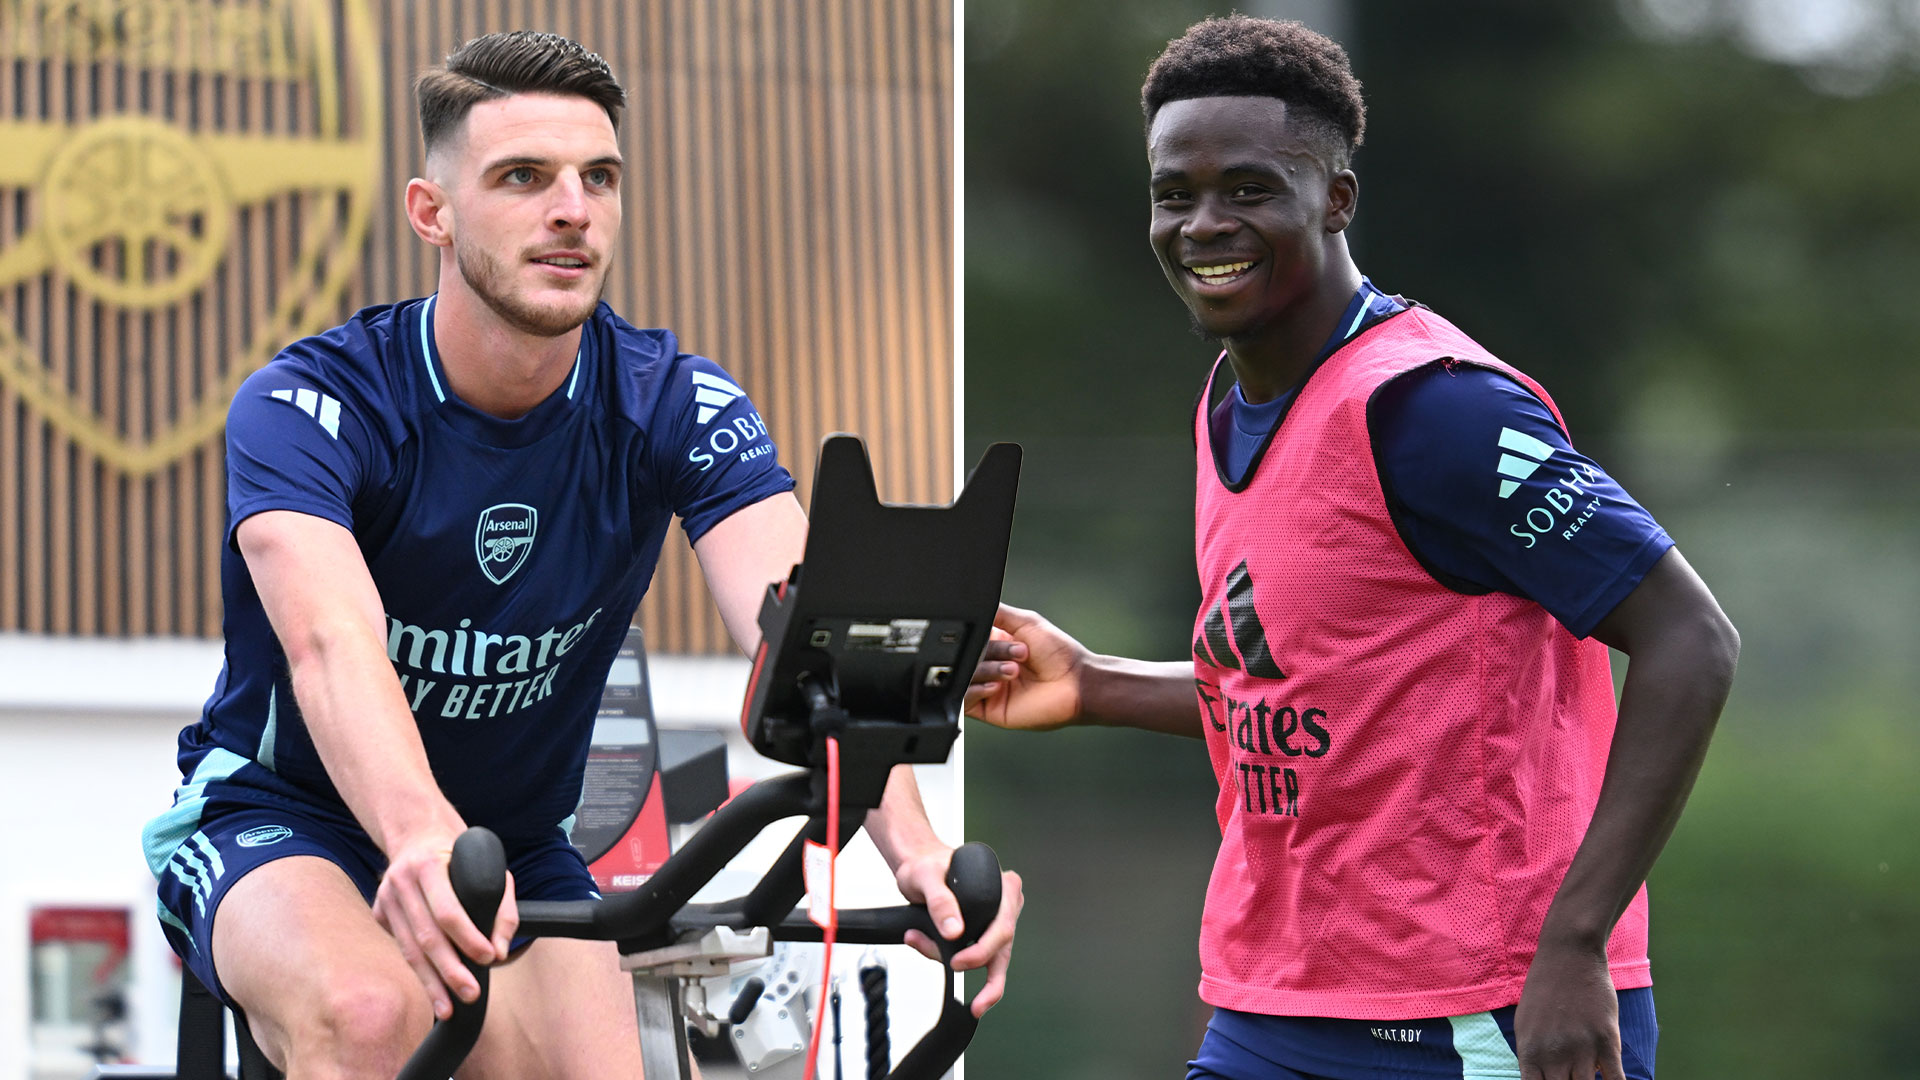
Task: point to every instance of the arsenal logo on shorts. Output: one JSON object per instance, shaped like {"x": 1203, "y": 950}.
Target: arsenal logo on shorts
{"x": 264, "y": 835}
{"x": 504, "y": 538}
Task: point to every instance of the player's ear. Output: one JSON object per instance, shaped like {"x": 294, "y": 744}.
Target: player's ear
{"x": 429, "y": 212}
{"x": 1343, "y": 196}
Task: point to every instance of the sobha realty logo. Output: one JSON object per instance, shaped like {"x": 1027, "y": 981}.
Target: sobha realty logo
{"x": 225, "y": 190}
{"x": 262, "y": 835}
{"x": 1564, "y": 505}
{"x": 504, "y": 538}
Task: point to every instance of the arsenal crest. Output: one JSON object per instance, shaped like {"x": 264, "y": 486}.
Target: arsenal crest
{"x": 504, "y": 539}
{"x": 193, "y": 221}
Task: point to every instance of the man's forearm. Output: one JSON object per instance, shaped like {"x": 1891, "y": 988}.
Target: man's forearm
{"x": 327, "y": 615}
{"x": 1674, "y": 691}
{"x": 899, "y": 825}
{"x": 1147, "y": 694}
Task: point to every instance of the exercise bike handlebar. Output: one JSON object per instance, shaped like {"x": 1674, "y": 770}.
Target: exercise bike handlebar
{"x": 478, "y": 873}
{"x": 658, "y": 913}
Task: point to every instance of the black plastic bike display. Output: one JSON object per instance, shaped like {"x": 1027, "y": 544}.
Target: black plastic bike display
{"x": 872, "y": 641}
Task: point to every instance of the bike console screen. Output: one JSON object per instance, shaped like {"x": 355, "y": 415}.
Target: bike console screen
{"x": 875, "y": 636}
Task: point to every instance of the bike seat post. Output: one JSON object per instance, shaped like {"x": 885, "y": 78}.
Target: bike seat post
{"x": 658, "y": 1005}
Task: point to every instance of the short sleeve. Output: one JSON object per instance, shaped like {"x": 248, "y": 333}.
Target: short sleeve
{"x": 713, "y": 454}
{"x": 292, "y": 445}
{"x": 1490, "y": 495}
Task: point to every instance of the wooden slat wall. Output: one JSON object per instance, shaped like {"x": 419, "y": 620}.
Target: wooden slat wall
{"x": 85, "y": 546}
{"x": 788, "y": 214}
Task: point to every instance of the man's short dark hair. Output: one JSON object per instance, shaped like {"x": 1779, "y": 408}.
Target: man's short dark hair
{"x": 1240, "y": 56}
{"x": 511, "y": 62}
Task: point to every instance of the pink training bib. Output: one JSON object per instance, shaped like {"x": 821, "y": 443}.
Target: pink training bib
{"x": 1405, "y": 771}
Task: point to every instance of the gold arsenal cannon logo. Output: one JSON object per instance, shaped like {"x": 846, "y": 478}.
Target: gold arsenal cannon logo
{"x": 185, "y": 187}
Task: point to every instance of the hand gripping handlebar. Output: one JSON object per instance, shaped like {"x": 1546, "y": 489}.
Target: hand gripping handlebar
{"x": 658, "y": 912}
{"x": 478, "y": 872}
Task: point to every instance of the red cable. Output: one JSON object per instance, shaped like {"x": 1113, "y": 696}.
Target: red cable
{"x": 833, "y": 906}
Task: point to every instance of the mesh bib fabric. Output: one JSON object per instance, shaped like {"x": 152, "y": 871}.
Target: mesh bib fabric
{"x": 1405, "y": 771}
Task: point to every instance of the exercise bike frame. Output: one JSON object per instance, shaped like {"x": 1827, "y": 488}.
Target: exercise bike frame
{"x": 863, "y": 645}
{"x": 658, "y": 914}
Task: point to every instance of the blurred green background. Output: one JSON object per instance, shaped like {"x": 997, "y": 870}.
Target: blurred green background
{"x": 1698, "y": 223}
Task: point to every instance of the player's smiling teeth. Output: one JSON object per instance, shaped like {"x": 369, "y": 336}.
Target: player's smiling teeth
{"x": 1221, "y": 274}
{"x": 562, "y": 261}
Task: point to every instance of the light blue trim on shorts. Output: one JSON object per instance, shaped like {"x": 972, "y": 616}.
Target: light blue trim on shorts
{"x": 171, "y": 828}
{"x": 197, "y": 875}
{"x": 1484, "y": 1053}
{"x": 167, "y": 916}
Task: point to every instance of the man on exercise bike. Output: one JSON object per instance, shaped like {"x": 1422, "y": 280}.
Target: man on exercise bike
{"x": 442, "y": 515}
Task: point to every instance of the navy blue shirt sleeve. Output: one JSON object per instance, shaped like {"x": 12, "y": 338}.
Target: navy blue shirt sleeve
{"x": 292, "y": 445}
{"x": 1491, "y": 496}
{"x": 714, "y": 454}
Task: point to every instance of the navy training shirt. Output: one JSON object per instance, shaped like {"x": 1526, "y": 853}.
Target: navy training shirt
{"x": 1240, "y": 427}
{"x": 509, "y": 554}
{"x": 1472, "y": 464}
{"x": 1489, "y": 493}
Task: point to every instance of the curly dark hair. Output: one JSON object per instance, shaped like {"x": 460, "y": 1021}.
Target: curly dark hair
{"x": 1243, "y": 56}
{"x": 511, "y": 62}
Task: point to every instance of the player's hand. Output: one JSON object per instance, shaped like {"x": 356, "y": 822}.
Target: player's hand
{"x": 417, "y": 905}
{"x": 1029, "y": 675}
{"x": 1568, "y": 1024}
{"x": 923, "y": 880}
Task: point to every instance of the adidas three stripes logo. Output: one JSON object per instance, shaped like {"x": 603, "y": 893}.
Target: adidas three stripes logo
{"x": 1211, "y": 645}
{"x": 711, "y": 393}
{"x": 1528, "y": 454}
{"x": 198, "y": 865}
{"x": 322, "y": 407}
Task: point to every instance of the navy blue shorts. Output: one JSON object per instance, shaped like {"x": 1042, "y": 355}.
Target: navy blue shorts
{"x": 219, "y": 829}
{"x": 1243, "y": 1046}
